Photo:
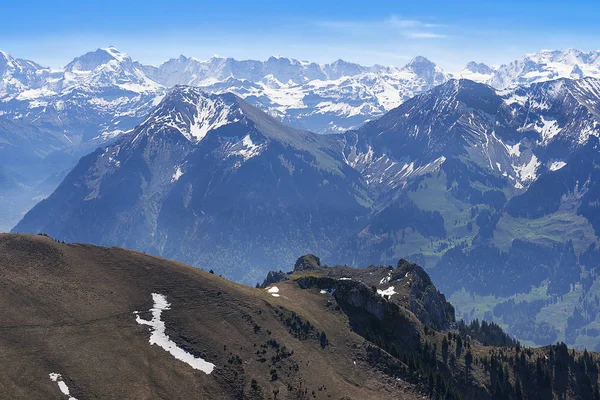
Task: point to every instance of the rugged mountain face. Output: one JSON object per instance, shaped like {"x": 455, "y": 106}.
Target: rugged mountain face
{"x": 506, "y": 134}
{"x": 474, "y": 184}
{"x": 18, "y": 74}
{"x": 408, "y": 285}
{"x": 209, "y": 177}
{"x": 158, "y": 329}
{"x": 104, "y": 93}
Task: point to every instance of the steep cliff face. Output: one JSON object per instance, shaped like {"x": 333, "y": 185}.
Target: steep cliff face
{"x": 374, "y": 289}
{"x": 428, "y": 303}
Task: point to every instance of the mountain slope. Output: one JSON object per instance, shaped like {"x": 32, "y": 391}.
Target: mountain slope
{"x": 83, "y": 327}
{"x": 205, "y": 178}
{"x": 112, "y": 323}
{"x": 475, "y": 184}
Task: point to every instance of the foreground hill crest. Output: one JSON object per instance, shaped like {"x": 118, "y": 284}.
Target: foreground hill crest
{"x": 322, "y": 333}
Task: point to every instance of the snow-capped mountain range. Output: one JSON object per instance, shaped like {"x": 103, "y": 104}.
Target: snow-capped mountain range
{"x": 98, "y": 95}
{"x": 547, "y": 65}
{"x": 467, "y": 177}
{"x": 104, "y": 93}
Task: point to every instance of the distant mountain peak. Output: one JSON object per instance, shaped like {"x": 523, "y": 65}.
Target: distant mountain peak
{"x": 479, "y": 68}
{"x": 94, "y": 59}
{"x": 547, "y": 65}
{"x": 420, "y": 64}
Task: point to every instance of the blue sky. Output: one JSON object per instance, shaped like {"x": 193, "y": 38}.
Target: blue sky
{"x": 450, "y": 33}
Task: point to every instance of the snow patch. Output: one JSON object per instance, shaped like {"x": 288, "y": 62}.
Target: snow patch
{"x": 527, "y": 172}
{"x": 54, "y": 377}
{"x": 548, "y": 129}
{"x": 386, "y": 279}
{"x": 246, "y": 148}
{"x": 514, "y": 150}
{"x": 556, "y": 165}
{"x": 178, "y": 173}
{"x": 274, "y": 290}
{"x": 160, "y": 338}
{"x": 387, "y": 292}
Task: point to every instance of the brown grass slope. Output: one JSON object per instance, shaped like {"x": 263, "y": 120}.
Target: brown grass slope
{"x": 68, "y": 309}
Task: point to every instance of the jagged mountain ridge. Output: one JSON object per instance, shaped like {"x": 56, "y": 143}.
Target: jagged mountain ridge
{"x": 511, "y": 133}
{"x": 321, "y": 98}
{"x": 104, "y": 93}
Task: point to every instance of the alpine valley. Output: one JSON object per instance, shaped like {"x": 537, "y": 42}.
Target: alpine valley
{"x": 487, "y": 178}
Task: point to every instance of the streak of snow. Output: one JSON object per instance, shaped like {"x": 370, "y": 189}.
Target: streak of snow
{"x": 160, "y": 338}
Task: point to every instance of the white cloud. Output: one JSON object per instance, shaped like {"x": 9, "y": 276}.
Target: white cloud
{"x": 393, "y": 25}
{"x": 425, "y": 35}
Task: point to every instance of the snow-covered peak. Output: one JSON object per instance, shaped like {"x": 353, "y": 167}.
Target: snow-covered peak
{"x": 424, "y": 69}
{"x": 5, "y": 58}
{"x": 340, "y": 68}
{"x": 478, "y": 72}
{"x": 104, "y": 68}
{"x": 116, "y": 54}
{"x": 17, "y": 75}
{"x": 192, "y": 112}
{"x": 95, "y": 59}
{"x": 420, "y": 64}
{"x": 479, "y": 68}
